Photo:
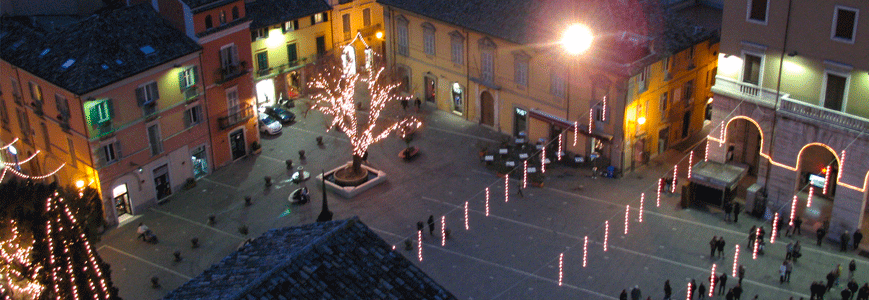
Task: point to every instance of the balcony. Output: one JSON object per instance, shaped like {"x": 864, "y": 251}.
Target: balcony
{"x": 245, "y": 112}
{"x": 745, "y": 91}
{"x": 104, "y": 129}
{"x": 230, "y": 72}
{"x": 191, "y": 93}
{"x": 823, "y": 115}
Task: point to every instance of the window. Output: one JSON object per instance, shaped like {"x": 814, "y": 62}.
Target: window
{"x": 235, "y": 13}
{"x": 457, "y": 47}
{"x": 62, "y": 106}
{"x": 345, "y": 19}
{"x": 187, "y": 78}
{"x": 16, "y": 90}
{"x": 192, "y": 116}
{"x": 757, "y": 10}
{"x": 24, "y": 125}
{"x": 110, "y": 153}
{"x": 844, "y": 24}
{"x": 751, "y": 68}
{"x": 321, "y": 45}
{"x": 72, "y": 158}
{"x": 665, "y": 64}
{"x": 663, "y": 106}
{"x": 208, "y": 22}
{"x": 222, "y": 17}
{"x": 643, "y": 80}
{"x": 45, "y": 137}
{"x": 318, "y": 18}
{"x": 36, "y": 93}
{"x": 556, "y": 84}
{"x": 366, "y": 17}
{"x": 154, "y": 139}
{"x": 4, "y": 114}
{"x": 290, "y": 26}
{"x": 428, "y": 38}
{"x": 714, "y": 73}
{"x": 520, "y": 62}
{"x": 147, "y": 94}
{"x": 101, "y": 112}
{"x": 292, "y": 54}
{"x": 262, "y": 60}
{"x": 487, "y": 65}
{"x": 688, "y": 89}
{"x": 259, "y": 33}
{"x": 228, "y": 56}
{"x": 835, "y": 90}
{"x": 402, "y": 36}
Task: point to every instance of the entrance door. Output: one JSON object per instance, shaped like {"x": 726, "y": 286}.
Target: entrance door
{"x": 686, "y": 123}
{"x": 236, "y": 144}
{"x": 321, "y": 45}
{"x": 200, "y": 162}
{"x": 161, "y": 182}
{"x": 429, "y": 89}
{"x": 487, "y": 107}
{"x": 663, "y": 137}
{"x": 122, "y": 200}
{"x": 520, "y": 121}
{"x": 458, "y": 102}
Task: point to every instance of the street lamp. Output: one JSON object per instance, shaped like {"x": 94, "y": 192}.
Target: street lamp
{"x": 577, "y": 39}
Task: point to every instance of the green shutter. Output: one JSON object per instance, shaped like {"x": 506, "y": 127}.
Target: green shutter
{"x": 156, "y": 92}
{"x": 93, "y": 115}
{"x": 187, "y": 118}
{"x": 140, "y": 96}
{"x": 195, "y": 74}
{"x": 110, "y": 107}
{"x": 118, "y": 153}
{"x": 182, "y": 84}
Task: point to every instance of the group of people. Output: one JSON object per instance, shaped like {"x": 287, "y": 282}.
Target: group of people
{"x": 755, "y": 236}
{"x": 420, "y": 226}
{"x": 731, "y": 211}
{"x": 716, "y": 245}
{"x": 818, "y": 289}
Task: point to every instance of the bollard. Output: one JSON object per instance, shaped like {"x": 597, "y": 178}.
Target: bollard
{"x": 302, "y": 154}
{"x": 177, "y": 255}
{"x": 289, "y": 163}
{"x": 194, "y": 243}
{"x": 155, "y": 282}
{"x": 247, "y": 201}
{"x": 242, "y": 229}
{"x": 211, "y": 220}
{"x": 320, "y": 141}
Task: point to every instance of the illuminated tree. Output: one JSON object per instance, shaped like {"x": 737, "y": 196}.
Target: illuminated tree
{"x": 45, "y": 251}
{"x": 334, "y": 89}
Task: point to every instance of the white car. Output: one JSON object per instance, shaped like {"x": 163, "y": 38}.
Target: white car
{"x": 269, "y": 125}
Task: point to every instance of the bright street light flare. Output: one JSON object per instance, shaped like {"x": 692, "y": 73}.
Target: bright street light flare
{"x": 577, "y": 39}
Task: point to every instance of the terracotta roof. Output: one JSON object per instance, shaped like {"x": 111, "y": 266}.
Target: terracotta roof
{"x": 270, "y": 12}
{"x": 341, "y": 259}
{"x": 96, "y": 51}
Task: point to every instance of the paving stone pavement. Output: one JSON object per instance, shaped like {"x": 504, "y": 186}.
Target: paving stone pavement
{"x": 512, "y": 254}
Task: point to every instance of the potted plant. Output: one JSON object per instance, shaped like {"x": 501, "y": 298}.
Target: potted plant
{"x": 536, "y": 179}
{"x": 255, "y": 147}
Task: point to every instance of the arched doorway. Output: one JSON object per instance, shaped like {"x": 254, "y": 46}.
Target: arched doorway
{"x": 430, "y": 88}
{"x": 743, "y": 142}
{"x": 818, "y": 169}
{"x": 458, "y": 98}
{"x": 487, "y": 109}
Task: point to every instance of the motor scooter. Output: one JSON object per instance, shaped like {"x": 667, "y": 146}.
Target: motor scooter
{"x": 148, "y": 237}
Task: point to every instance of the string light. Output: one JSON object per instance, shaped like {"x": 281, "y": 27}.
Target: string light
{"x": 443, "y": 231}
{"x": 507, "y": 188}
{"x": 827, "y": 178}
{"x": 606, "y": 234}
{"x": 774, "y": 229}
{"x": 603, "y": 114}
{"x": 575, "y": 132}
{"x": 712, "y": 281}
{"x": 756, "y": 244}
{"x": 487, "y": 201}
{"x": 842, "y": 165}
{"x": 25, "y": 176}
{"x": 660, "y": 187}
{"x": 735, "y": 259}
{"x": 811, "y": 193}
{"x": 560, "y": 145}
{"x": 466, "y": 216}
{"x": 585, "y": 252}
{"x": 688, "y": 292}
{"x": 675, "y": 174}
{"x": 10, "y": 144}
{"x": 642, "y": 205}
{"x": 627, "y": 215}
{"x": 525, "y": 174}
{"x": 419, "y": 242}
{"x": 590, "y": 119}
{"x": 721, "y": 139}
{"x": 24, "y": 161}
{"x": 560, "y": 268}
{"x": 706, "y": 151}
{"x": 793, "y": 210}
{"x": 690, "y": 163}
{"x": 543, "y": 160}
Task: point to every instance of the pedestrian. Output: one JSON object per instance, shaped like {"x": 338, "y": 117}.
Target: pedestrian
{"x": 788, "y": 269}
{"x": 852, "y": 266}
{"x": 813, "y": 290}
{"x": 418, "y": 104}
{"x": 736, "y": 210}
{"x": 838, "y": 273}
{"x": 797, "y": 251}
{"x": 752, "y": 236}
{"x": 741, "y": 273}
{"x": 713, "y": 244}
{"x": 790, "y": 230}
{"x": 821, "y": 290}
{"x": 863, "y": 293}
{"x": 668, "y": 291}
{"x": 846, "y": 294}
{"x": 853, "y": 287}
{"x": 781, "y": 224}
{"x": 820, "y": 234}
{"x": 798, "y": 223}
{"x": 728, "y": 209}
{"x": 636, "y": 294}
{"x": 830, "y": 279}
{"x": 858, "y": 236}
{"x": 623, "y": 295}
{"x": 420, "y": 226}
{"x": 789, "y": 250}
{"x": 737, "y": 292}
{"x": 720, "y": 246}
{"x": 781, "y": 272}
{"x": 431, "y": 225}
{"x": 404, "y": 103}
{"x": 729, "y": 295}
{"x": 519, "y": 188}
{"x": 722, "y": 281}
{"x": 701, "y": 290}
{"x": 844, "y": 241}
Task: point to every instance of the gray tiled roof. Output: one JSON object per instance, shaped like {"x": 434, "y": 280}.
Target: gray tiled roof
{"x": 105, "y": 47}
{"x": 270, "y": 12}
{"x": 331, "y": 260}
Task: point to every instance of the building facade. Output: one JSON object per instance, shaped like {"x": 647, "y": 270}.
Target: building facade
{"x": 790, "y": 103}
{"x": 119, "y": 118}
{"x": 511, "y": 74}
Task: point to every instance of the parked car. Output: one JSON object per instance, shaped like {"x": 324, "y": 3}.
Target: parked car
{"x": 269, "y": 125}
{"x": 280, "y": 114}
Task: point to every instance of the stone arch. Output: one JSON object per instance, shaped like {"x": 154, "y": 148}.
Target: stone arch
{"x": 743, "y": 140}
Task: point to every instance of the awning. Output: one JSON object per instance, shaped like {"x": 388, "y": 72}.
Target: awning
{"x": 583, "y": 126}
{"x": 717, "y": 175}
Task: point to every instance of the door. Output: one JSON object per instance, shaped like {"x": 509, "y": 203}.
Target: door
{"x": 321, "y": 45}
{"x": 429, "y": 89}
{"x": 686, "y": 123}
{"x": 663, "y": 137}
{"x": 122, "y": 200}
{"x": 161, "y": 182}
{"x": 232, "y": 105}
{"x": 200, "y": 162}
{"x": 487, "y": 107}
{"x": 520, "y": 121}
{"x": 236, "y": 144}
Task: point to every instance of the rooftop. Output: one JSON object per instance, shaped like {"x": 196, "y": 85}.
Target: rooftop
{"x": 97, "y": 50}
{"x": 341, "y": 259}
{"x": 271, "y": 12}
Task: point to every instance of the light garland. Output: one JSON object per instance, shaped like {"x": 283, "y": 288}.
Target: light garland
{"x": 842, "y": 166}
{"x": 811, "y": 194}
{"x": 419, "y": 242}
{"x": 690, "y": 163}
{"x": 543, "y": 160}
{"x": 642, "y": 205}
{"x": 560, "y": 268}
{"x": 712, "y": 281}
{"x": 466, "y": 216}
{"x": 525, "y": 174}
{"x": 507, "y": 188}
{"x": 774, "y": 229}
{"x": 487, "y": 201}
{"x": 660, "y": 187}
{"x": 706, "y": 151}
{"x": 25, "y": 176}
{"x": 10, "y": 144}
{"x": 585, "y": 252}
{"x": 627, "y": 215}
{"x": 688, "y": 292}
{"x": 603, "y": 111}
{"x": 756, "y": 244}
{"x": 606, "y": 234}
{"x": 827, "y": 179}
{"x": 443, "y": 231}
{"x": 560, "y": 145}
{"x": 675, "y": 175}
{"x": 575, "y": 132}
{"x": 793, "y": 210}
{"x": 590, "y": 119}
{"x": 21, "y": 162}
{"x": 721, "y": 139}
{"x": 735, "y": 259}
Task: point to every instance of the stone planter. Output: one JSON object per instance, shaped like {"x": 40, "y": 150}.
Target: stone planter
{"x": 375, "y": 177}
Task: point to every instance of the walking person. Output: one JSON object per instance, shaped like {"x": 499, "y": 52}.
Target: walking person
{"x": 729, "y": 295}
{"x": 720, "y": 246}
{"x": 737, "y": 292}
{"x": 781, "y": 223}
{"x": 418, "y": 104}
{"x": 846, "y": 294}
{"x": 863, "y": 293}
{"x": 431, "y": 225}
{"x": 844, "y": 241}
{"x": 722, "y": 280}
{"x": 789, "y": 267}
{"x": 741, "y": 273}
{"x": 838, "y": 273}
{"x": 798, "y": 223}
{"x": 752, "y": 236}
{"x": 820, "y": 234}
{"x": 857, "y": 238}
{"x": 668, "y": 291}
{"x": 781, "y": 272}
{"x": 701, "y": 290}
{"x": 789, "y": 250}
{"x": 852, "y": 266}
{"x": 797, "y": 251}
{"x": 853, "y": 287}
{"x": 636, "y": 294}
{"x": 728, "y": 209}
{"x": 736, "y": 209}
{"x": 713, "y": 245}
{"x": 623, "y": 295}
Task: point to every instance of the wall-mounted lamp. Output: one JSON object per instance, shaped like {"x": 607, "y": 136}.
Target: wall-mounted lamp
{"x": 793, "y": 53}
{"x": 139, "y": 169}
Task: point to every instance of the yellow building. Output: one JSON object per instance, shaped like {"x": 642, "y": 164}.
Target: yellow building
{"x": 501, "y": 64}
{"x": 286, "y": 36}
{"x": 119, "y": 118}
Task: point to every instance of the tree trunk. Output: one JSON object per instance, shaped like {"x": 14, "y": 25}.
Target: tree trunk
{"x": 357, "y": 164}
